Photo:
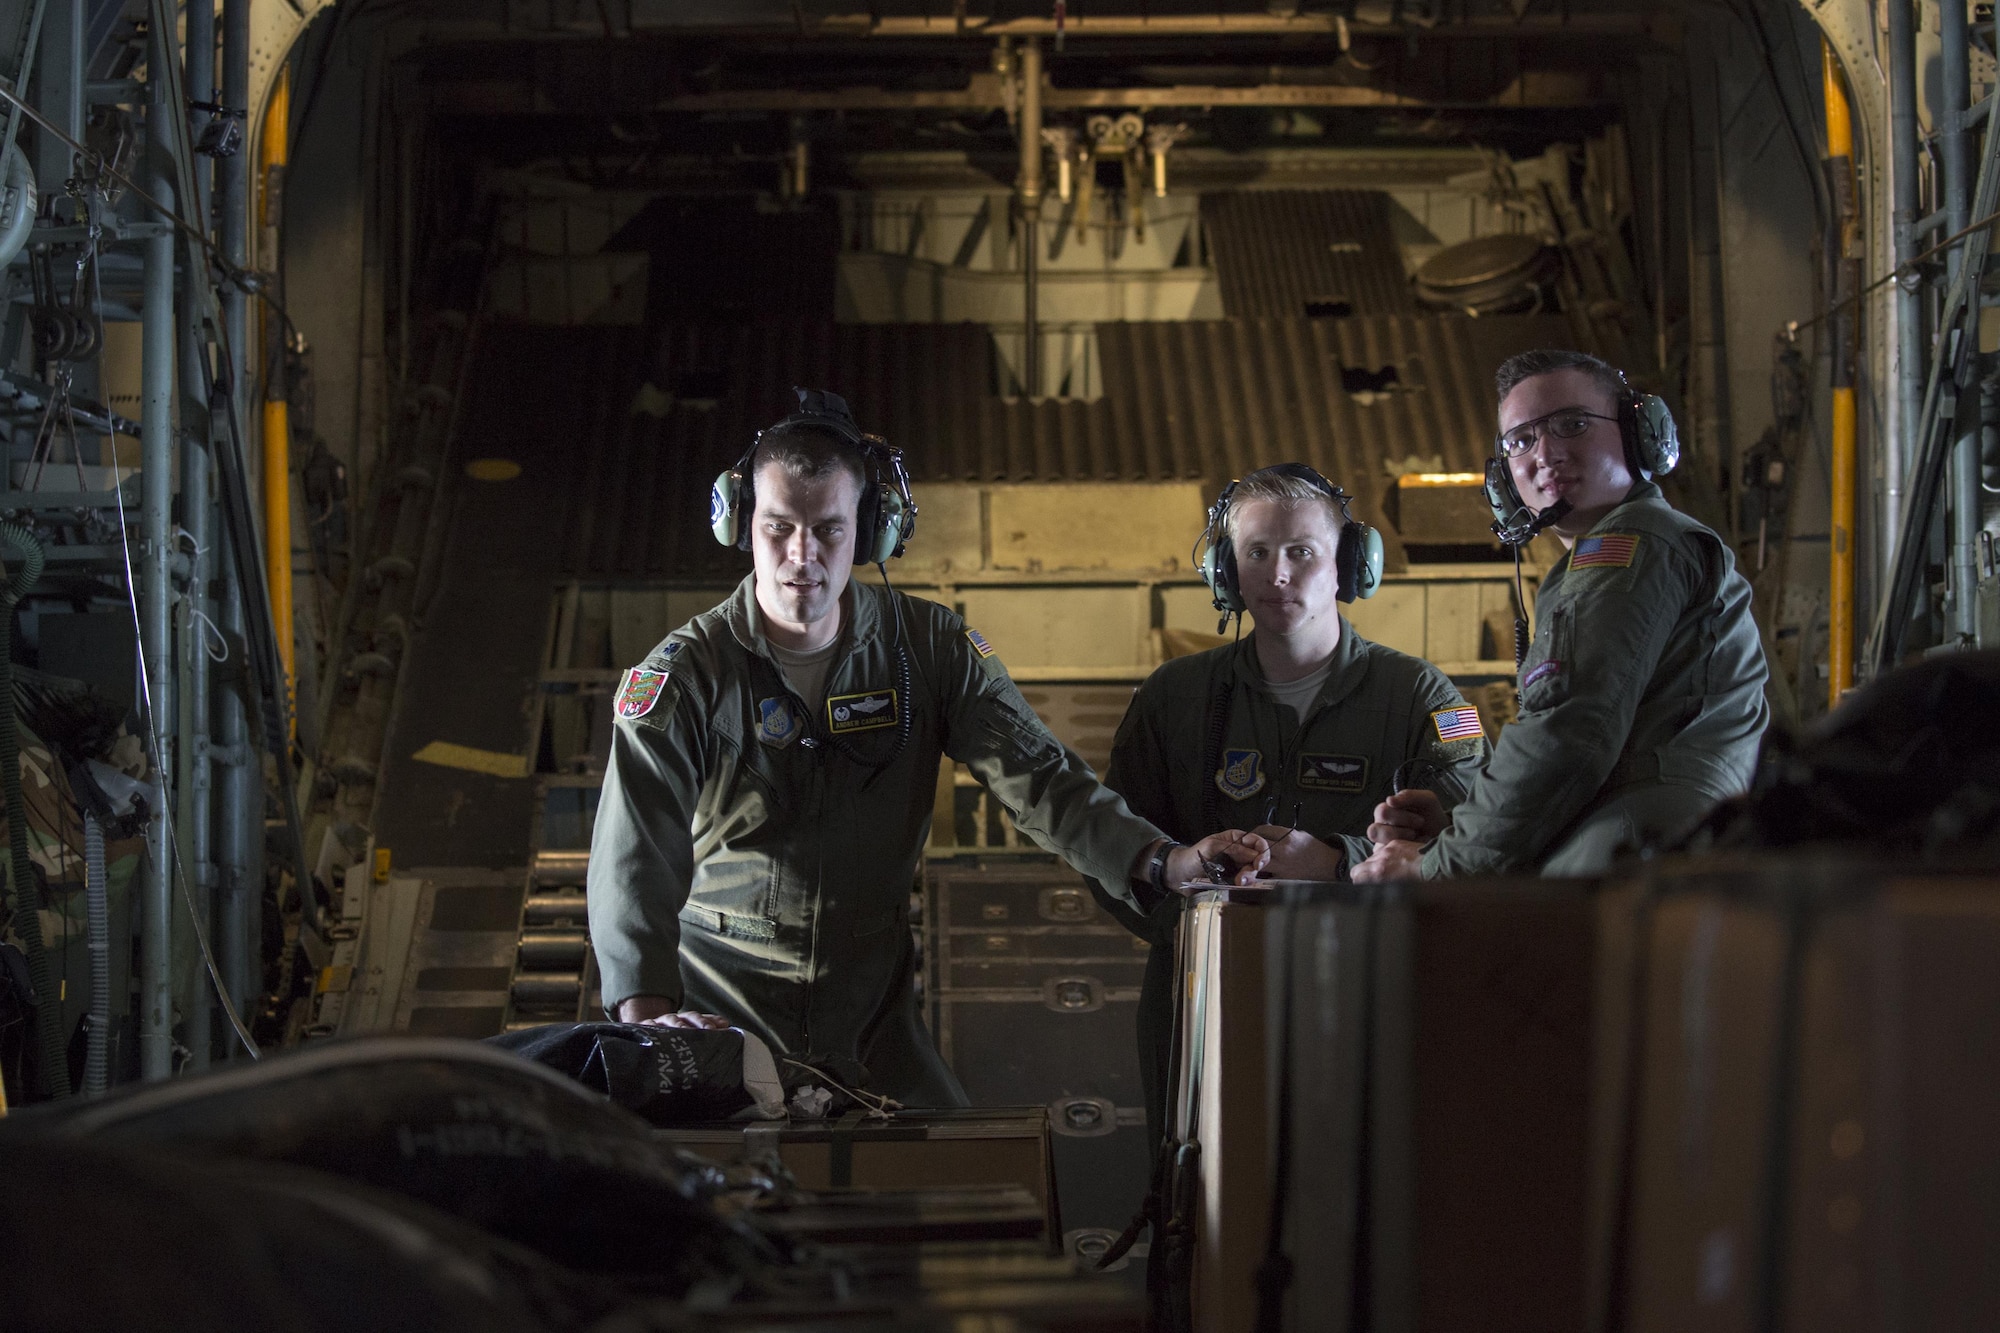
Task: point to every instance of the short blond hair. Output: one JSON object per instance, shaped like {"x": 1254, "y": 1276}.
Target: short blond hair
{"x": 1285, "y": 488}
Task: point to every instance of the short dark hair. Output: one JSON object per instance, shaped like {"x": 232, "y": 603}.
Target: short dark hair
{"x": 808, "y": 453}
{"x": 1546, "y": 361}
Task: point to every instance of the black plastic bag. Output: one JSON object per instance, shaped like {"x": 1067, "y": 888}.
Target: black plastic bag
{"x": 668, "y": 1075}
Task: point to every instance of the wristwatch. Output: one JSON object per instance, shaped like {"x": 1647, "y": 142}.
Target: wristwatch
{"x": 1156, "y": 869}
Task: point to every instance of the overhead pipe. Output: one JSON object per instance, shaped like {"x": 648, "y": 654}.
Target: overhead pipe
{"x": 272, "y": 155}
{"x": 59, "y": 87}
{"x": 1955, "y": 145}
{"x": 156, "y": 441}
{"x": 1031, "y": 215}
{"x": 195, "y": 776}
{"x": 1909, "y": 298}
{"x": 1840, "y": 172}
{"x": 240, "y": 787}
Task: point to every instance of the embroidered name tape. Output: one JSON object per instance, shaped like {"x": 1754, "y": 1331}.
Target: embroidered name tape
{"x": 1333, "y": 772}
{"x": 1457, "y": 724}
{"x": 1610, "y": 550}
{"x": 861, "y": 712}
{"x": 1542, "y": 671}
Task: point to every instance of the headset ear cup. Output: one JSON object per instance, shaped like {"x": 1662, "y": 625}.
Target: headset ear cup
{"x": 1367, "y": 564}
{"x": 1218, "y": 571}
{"x": 723, "y": 498}
{"x": 1657, "y": 440}
{"x": 886, "y": 534}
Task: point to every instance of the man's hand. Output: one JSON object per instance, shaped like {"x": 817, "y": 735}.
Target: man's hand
{"x": 1246, "y": 852}
{"x": 1296, "y": 854}
{"x": 1393, "y": 861}
{"x": 660, "y": 1011}
{"x": 1415, "y": 815}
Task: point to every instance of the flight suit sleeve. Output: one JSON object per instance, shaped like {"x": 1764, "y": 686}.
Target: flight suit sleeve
{"x": 1458, "y": 762}
{"x": 642, "y": 849}
{"x": 1138, "y": 772}
{"x": 1596, "y": 648}
{"x": 1051, "y": 793}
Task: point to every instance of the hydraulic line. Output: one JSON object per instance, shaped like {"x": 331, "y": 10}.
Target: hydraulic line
{"x": 27, "y": 907}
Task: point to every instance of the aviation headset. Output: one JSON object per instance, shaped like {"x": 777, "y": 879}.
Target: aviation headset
{"x": 888, "y": 516}
{"x": 1652, "y": 448}
{"x": 1357, "y": 557}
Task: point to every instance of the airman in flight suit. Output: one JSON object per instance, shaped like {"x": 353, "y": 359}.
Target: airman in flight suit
{"x": 1300, "y": 728}
{"x": 772, "y": 771}
{"x": 1642, "y": 695}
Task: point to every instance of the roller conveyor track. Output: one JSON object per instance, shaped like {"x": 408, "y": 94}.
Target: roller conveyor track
{"x": 554, "y": 977}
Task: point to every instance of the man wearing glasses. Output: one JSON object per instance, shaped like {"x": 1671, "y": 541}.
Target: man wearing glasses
{"x": 1642, "y": 696}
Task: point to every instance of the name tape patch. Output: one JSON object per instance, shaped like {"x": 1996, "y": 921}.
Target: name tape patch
{"x": 1333, "y": 772}
{"x": 865, "y": 711}
{"x": 1610, "y": 550}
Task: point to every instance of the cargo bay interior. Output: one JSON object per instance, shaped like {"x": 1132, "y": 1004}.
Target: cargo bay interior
{"x": 362, "y": 421}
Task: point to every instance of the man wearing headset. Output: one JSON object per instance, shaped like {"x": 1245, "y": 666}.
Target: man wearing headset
{"x": 1642, "y": 696}
{"x": 773, "y": 764}
{"x": 1299, "y": 728}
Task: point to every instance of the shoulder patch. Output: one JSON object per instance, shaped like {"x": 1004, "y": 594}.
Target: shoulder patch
{"x": 978, "y": 642}
{"x": 1606, "y": 550}
{"x": 1457, "y": 724}
{"x": 639, "y": 691}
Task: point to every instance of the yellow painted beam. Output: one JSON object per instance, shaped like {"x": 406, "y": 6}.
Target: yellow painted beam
{"x": 272, "y": 153}
{"x": 1840, "y": 583}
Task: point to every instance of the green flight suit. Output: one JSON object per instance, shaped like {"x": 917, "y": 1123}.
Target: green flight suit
{"x": 1642, "y": 702}
{"x": 754, "y": 859}
{"x": 1204, "y": 746}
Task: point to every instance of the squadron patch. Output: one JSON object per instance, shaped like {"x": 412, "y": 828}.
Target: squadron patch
{"x": 639, "y": 691}
{"x": 1610, "y": 550}
{"x": 978, "y": 642}
{"x": 778, "y": 722}
{"x": 1333, "y": 772}
{"x": 1241, "y": 775}
{"x": 865, "y": 711}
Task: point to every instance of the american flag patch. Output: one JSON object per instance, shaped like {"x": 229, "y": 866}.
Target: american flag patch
{"x": 1613, "y": 550}
{"x": 978, "y": 642}
{"x": 1457, "y": 724}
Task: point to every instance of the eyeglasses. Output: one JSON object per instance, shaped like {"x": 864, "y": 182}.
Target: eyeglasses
{"x": 1564, "y": 425}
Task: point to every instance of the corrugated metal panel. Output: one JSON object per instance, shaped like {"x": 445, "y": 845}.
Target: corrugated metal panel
{"x": 1204, "y": 400}
{"x": 1278, "y": 251}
